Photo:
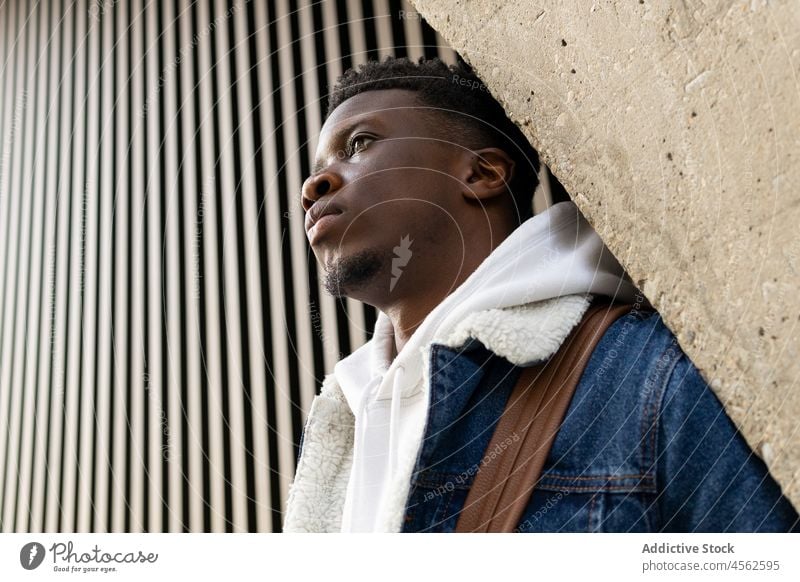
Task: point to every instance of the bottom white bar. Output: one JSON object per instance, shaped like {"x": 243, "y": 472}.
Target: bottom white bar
{"x": 423, "y": 557}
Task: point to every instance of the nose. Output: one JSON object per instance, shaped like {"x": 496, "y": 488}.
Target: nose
{"x": 318, "y": 185}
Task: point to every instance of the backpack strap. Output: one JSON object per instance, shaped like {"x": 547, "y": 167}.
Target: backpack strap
{"x": 531, "y": 419}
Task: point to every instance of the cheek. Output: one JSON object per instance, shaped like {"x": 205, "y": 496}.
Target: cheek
{"x": 423, "y": 185}
{"x": 388, "y": 203}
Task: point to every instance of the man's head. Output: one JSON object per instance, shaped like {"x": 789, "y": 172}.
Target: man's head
{"x": 421, "y": 174}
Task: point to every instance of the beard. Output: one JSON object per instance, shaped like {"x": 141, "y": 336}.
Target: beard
{"x": 346, "y": 275}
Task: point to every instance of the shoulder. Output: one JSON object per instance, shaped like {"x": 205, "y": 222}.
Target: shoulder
{"x": 616, "y": 405}
{"x": 636, "y": 355}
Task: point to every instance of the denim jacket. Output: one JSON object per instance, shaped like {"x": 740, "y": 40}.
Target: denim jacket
{"x": 645, "y": 446}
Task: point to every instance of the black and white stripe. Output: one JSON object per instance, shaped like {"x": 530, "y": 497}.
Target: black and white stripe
{"x": 162, "y": 324}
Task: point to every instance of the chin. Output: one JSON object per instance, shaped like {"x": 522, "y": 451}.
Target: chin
{"x": 355, "y": 275}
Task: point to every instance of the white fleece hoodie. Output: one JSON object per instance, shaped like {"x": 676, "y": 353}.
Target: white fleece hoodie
{"x": 554, "y": 254}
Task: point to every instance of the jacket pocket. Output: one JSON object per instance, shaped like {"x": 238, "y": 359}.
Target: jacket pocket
{"x": 561, "y": 503}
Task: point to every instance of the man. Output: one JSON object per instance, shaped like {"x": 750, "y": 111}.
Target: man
{"x": 420, "y": 205}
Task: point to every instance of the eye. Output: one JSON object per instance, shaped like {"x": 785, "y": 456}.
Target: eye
{"x": 358, "y": 143}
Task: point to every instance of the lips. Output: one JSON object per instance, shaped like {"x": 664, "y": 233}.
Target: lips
{"x": 319, "y": 216}
{"x": 319, "y": 210}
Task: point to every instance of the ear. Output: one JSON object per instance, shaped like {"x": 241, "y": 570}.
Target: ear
{"x": 487, "y": 173}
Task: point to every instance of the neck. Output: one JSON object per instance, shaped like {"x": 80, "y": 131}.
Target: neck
{"x": 425, "y": 284}
{"x": 424, "y": 289}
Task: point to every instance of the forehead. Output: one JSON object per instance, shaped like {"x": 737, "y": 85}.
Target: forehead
{"x": 390, "y": 107}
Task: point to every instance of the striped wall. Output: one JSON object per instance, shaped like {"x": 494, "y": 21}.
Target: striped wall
{"x": 162, "y": 325}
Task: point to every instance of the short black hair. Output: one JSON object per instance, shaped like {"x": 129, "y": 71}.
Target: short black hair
{"x": 456, "y": 91}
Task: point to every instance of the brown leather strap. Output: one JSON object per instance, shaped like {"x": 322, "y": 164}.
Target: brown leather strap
{"x": 525, "y": 433}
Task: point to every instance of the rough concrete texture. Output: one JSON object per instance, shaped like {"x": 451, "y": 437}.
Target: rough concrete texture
{"x": 675, "y": 124}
